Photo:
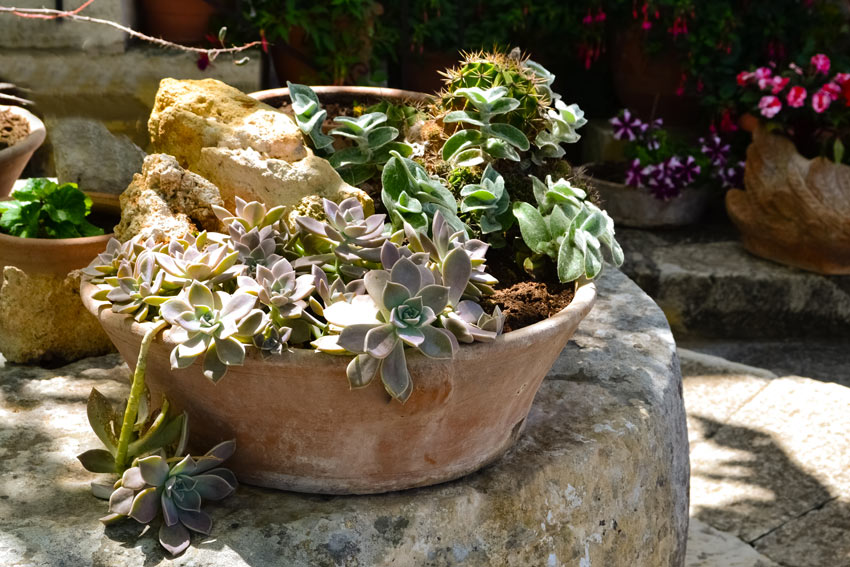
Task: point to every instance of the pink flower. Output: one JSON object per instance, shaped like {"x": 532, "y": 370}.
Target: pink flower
{"x": 821, "y": 63}
{"x": 796, "y": 96}
{"x": 796, "y": 68}
{"x": 763, "y": 73}
{"x": 769, "y": 106}
{"x": 744, "y": 77}
{"x": 833, "y": 90}
{"x": 841, "y": 78}
{"x": 779, "y": 83}
{"x": 821, "y": 101}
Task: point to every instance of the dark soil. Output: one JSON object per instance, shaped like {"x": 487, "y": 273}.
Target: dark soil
{"x": 13, "y": 129}
{"x": 524, "y": 301}
{"x": 613, "y": 171}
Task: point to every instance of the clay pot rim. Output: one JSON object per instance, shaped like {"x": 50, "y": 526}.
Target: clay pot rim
{"x": 107, "y": 200}
{"x": 580, "y": 306}
{"x": 331, "y": 90}
{"x": 33, "y": 140}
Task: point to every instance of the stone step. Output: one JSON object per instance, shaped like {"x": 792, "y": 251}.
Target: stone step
{"x": 710, "y": 287}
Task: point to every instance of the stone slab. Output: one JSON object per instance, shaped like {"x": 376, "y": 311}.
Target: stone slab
{"x": 782, "y": 455}
{"x": 711, "y": 399}
{"x": 696, "y": 363}
{"x": 709, "y": 286}
{"x": 708, "y": 547}
{"x": 598, "y": 479}
{"x": 21, "y": 33}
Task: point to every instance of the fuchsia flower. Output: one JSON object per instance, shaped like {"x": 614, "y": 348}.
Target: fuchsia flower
{"x": 821, "y": 101}
{"x": 769, "y": 106}
{"x": 821, "y": 63}
{"x": 833, "y": 90}
{"x": 796, "y": 96}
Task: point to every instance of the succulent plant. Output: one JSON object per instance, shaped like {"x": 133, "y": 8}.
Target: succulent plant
{"x": 469, "y": 322}
{"x": 412, "y": 196}
{"x": 561, "y": 125}
{"x": 400, "y": 116}
{"x": 492, "y": 140}
{"x": 567, "y": 228}
{"x": 407, "y": 306}
{"x": 215, "y": 325}
{"x": 489, "y": 202}
{"x": 250, "y": 215}
{"x": 372, "y": 143}
{"x": 309, "y": 116}
{"x": 197, "y": 262}
{"x": 139, "y": 289}
{"x": 108, "y": 262}
{"x": 177, "y": 490}
{"x": 255, "y": 248}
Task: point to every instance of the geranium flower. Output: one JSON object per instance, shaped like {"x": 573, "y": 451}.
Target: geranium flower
{"x": 833, "y": 90}
{"x": 841, "y": 78}
{"x": 796, "y": 96}
{"x": 744, "y": 78}
{"x": 714, "y": 149}
{"x": 769, "y": 106}
{"x": 634, "y": 175}
{"x": 763, "y": 73}
{"x": 778, "y": 83}
{"x": 821, "y": 101}
{"x": 626, "y": 126}
{"x": 821, "y": 63}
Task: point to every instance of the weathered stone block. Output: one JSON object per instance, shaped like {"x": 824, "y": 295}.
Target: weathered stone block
{"x": 599, "y": 478}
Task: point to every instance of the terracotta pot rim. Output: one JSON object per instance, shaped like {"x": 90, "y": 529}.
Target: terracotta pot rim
{"x": 33, "y": 140}
{"x": 582, "y": 302}
{"x": 374, "y": 92}
{"x": 43, "y": 243}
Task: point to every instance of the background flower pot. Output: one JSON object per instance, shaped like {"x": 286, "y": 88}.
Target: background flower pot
{"x": 298, "y": 426}
{"x": 794, "y": 210}
{"x": 182, "y": 21}
{"x": 14, "y": 159}
{"x": 58, "y": 256}
{"x": 637, "y": 207}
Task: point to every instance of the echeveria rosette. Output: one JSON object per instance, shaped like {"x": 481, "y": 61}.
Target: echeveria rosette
{"x": 412, "y": 196}
{"x": 489, "y": 202}
{"x": 138, "y": 289}
{"x": 250, "y": 215}
{"x": 215, "y": 325}
{"x": 408, "y": 306}
{"x": 176, "y": 490}
{"x": 197, "y": 262}
{"x": 109, "y": 261}
{"x": 468, "y": 322}
{"x": 256, "y": 247}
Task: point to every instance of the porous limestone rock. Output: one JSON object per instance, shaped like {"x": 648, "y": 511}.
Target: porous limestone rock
{"x": 245, "y": 147}
{"x": 599, "y": 478}
{"x": 42, "y": 319}
{"x": 165, "y": 201}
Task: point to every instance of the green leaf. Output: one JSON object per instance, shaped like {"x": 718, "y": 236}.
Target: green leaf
{"x": 97, "y": 461}
{"x": 532, "y": 226}
{"x": 460, "y": 141}
{"x": 837, "y": 150}
{"x": 164, "y": 434}
{"x": 571, "y": 263}
{"x": 101, "y": 417}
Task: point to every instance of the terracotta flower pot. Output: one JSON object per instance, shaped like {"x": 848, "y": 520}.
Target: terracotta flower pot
{"x": 179, "y": 21}
{"x": 637, "y": 207}
{"x": 14, "y": 159}
{"x": 298, "y": 426}
{"x": 58, "y": 256}
{"x": 344, "y": 95}
{"x": 794, "y": 210}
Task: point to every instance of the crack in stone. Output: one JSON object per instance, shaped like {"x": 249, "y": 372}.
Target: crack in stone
{"x": 794, "y": 519}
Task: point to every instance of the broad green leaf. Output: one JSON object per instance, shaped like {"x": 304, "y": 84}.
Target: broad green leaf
{"x": 510, "y": 134}
{"x": 101, "y": 417}
{"x": 571, "y": 262}
{"x": 97, "y": 461}
{"x": 532, "y": 226}
{"x": 460, "y": 140}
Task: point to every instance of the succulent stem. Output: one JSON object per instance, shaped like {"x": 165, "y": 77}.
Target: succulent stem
{"x": 136, "y": 392}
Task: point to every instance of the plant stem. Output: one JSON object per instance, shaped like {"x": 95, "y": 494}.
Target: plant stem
{"x": 136, "y": 391}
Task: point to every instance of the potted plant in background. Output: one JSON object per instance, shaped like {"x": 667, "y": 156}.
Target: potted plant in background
{"x": 47, "y": 232}
{"x": 21, "y": 133}
{"x": 664, "y": 182}
{"x": 796, "y": 203}
{"x": 290, "y": 313}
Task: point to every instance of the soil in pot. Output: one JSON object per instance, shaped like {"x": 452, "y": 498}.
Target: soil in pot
{"x": 13, "y": 129}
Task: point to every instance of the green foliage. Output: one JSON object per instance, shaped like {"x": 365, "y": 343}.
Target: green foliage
{"x": 412, "y": 196}
{"x": 43, "y": 209}
{"x": 489, "y": 202}
{"x": 567, "y": 228}
{"x": 399, "y": 116}
{"x": 373, "y": 142}
{"x": 309, "y": 115}
{"x": 177, "y": 488}
{"x": 492, "y": 140}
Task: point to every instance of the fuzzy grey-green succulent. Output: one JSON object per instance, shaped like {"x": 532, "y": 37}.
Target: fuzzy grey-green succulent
{"x": 372, "y": 142}
{"x": 488, "y": 201}
{"x": 176, "y": 491}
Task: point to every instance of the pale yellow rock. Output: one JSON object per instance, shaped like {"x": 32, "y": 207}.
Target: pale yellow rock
{"x": 43, "y": 320}
{"x": 245, "y": 147}
{"x": 165, "y": 201}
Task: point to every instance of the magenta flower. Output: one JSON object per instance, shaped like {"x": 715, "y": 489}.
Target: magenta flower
{"x": 763, "y": 73}
{"x": 796, "y": 96}
{"x": 689, "y": 170}
{"x": 779, "y": 83}
{"x": 634, "y": 175}
{"x": 841, "y": 78}
{"x": 821, "y": 101}
{"x": 821, "y": 63}
{"x": 714, "y": 149}
{"x": 662, "y": 180}
{"x": 744, "y": 78}
{"x": 833, "y": 90}
{"x": 732, "y": 176}
{"x": 770, "y": 106}
{"x": 627, "y": 126}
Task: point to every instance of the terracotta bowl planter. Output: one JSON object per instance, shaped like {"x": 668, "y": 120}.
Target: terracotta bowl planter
{"x": 344, "y": 95}
{"x": 637, "y": 207}
{"x": 58, "y": 256}
{"x": 794, "y": 211}
{"x": 14, "y": 159}
{"x": 299, "y": 427}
